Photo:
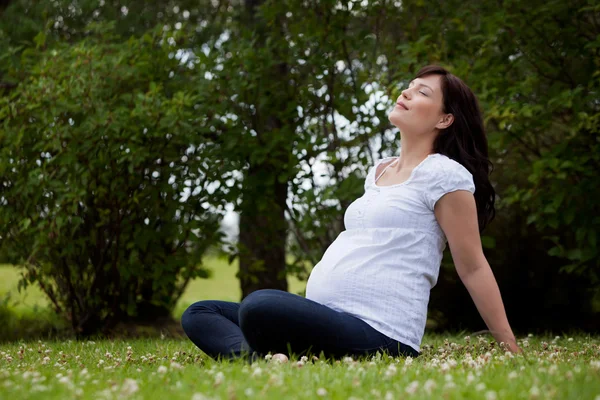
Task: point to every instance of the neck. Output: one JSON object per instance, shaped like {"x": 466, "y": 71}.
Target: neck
{"x": 413, "y": 151}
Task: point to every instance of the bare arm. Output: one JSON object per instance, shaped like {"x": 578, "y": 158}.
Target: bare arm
{"x": 456, "y": 213}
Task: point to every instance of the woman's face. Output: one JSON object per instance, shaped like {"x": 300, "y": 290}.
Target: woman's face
{"x": 423, "y": 113}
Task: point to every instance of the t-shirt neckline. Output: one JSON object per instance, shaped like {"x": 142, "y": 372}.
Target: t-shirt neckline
{"x": 412, "y": 173}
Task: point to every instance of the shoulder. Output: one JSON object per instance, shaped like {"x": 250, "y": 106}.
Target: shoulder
{"x": 443, "y": 167}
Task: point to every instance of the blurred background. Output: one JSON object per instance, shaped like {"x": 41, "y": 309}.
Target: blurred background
{"x": 155, "y": 153}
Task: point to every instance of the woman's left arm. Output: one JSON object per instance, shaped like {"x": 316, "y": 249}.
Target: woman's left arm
{"x": 456, "y": 213}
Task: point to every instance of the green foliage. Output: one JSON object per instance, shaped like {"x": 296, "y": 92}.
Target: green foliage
{"x": 289, "y": 102}
{"x": 100, "y": 149}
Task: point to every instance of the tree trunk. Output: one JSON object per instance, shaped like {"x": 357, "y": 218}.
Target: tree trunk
{"x": 263, "y": 227}
{"x": 262, "y": 231}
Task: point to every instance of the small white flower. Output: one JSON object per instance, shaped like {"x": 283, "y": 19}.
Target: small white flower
{"x": 219, "y": 378}
{"x": 176, "y": 365}
{"x": 534, "y": 392}
{"x": 304, "y": 359}
{"x": 347, "y": 360}
{"x": 412, "y": 387}
{"x": 595, "y": 364}
{"x": 200, "y": 396}
{"x": 46, "y": 360}
{"x": 408, "y": 360}
{"x": 429, "y": 385}
{"x": 512, "y": 375}
{"x": 162, "y": 369}
{"x": 470, "y": 377}
{"x": 257, "y": 371}
{"x": 480, "y": 386}
{"x": 129, "y": 387}
{"x": 450, "y": 385}
{"x": 249, "y": 392}
{"x": 490, "y": 395}
{"x": 391, "y": 370}
{"x": 321, "y": 392}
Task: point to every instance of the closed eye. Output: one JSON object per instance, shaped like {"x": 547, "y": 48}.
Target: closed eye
{"x": 423, "y": 93}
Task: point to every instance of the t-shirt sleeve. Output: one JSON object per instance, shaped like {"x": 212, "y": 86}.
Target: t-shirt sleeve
{"x": 446, "y": 180}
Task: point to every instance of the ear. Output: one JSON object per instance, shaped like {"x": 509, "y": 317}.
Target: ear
{"x": 445, "y": 122}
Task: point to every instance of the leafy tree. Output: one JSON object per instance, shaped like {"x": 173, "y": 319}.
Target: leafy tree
{"x": 107, "y": 179}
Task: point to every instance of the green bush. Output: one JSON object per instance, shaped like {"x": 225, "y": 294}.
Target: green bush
{"x": 105, "y": 178}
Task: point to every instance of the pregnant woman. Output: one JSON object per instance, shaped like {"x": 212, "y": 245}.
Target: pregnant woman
{"x": 370, "y": 291}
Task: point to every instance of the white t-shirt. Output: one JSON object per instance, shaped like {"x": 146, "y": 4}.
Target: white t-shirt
{"x": 383, "y": 266}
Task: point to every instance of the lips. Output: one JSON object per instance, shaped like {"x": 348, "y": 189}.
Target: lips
{"x": 401, "y": 104}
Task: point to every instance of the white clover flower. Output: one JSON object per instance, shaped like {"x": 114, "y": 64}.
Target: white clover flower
{"x": 347, "y": 360}
{"x": 321, "y": 392}
{"x": 412, "y": 387}
{"x": 470, "y": 377}
{"x": 389, "y": 396}
{"x": 304, "y": 359}
{"x": 46, "y": 360}
{"x": 429, "y": 385}
{"x": 176, "y": 365}
{"x": 268, "y": 357}
{"x": 199, "y": 396}
{"x": 257, "y": 371}
{"x": 490, "y": 395}
{"x": 391, "y": 370}
{"x": 249, "y": 392}
{"x": 408, "y": 360}
{"x": 512, "y": 375}
{"x": 450, "y": 385}
{"x": 219, "y": 378}
{"x": 595, "y": 364}
{"x": 64, "y": 379}
{"x": 534, "y": 392}
{"x": 162, "y": 369}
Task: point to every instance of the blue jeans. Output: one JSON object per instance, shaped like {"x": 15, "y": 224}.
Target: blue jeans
{"x": 280, "y": 322}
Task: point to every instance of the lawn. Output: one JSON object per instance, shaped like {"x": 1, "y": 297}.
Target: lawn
{"x": 450, "y": 366}
{"x": 458, "y": 368}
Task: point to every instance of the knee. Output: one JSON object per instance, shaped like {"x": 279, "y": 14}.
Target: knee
{"x": 257, "y": 303}
{"x": 190, "y": 316}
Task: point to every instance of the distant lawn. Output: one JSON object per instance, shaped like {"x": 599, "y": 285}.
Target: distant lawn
{"x": 223, "y": 285}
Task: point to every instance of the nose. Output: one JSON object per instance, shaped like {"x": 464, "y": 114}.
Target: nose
{"x": 405, "y": 93}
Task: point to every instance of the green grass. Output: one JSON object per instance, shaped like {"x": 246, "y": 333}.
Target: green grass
{"x": 450, "y": 367}
{"x": 175, "y": 369}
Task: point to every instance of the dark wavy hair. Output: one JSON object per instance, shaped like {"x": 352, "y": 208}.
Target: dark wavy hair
{"x": 464, "y": 140}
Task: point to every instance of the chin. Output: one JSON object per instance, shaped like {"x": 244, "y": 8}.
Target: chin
{"x": 395, "y": 119}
